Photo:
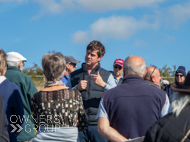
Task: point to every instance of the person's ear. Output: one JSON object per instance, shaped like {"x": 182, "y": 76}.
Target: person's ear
{"x": 67, "y": 67}
{"x": 3, "y": 71}
{"x": 100, "y": 58}
{"x": 20, "y": 65}
{"x": 123, "y": 72}
{"x": 152, "y": 78}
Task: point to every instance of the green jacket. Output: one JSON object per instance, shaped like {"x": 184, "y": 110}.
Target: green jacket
{"x": 27, "y": 89}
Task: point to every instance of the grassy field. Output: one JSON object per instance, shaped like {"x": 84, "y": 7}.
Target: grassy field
{"x": 39, "y": 82}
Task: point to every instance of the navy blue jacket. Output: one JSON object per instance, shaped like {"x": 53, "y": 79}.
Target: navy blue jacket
{"x": 13, "y": 106}
{"x": 133, "y": 106}
{"x": 4, "y": 136}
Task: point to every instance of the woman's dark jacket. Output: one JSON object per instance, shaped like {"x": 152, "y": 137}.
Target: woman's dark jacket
{"x": 171, "y": 128}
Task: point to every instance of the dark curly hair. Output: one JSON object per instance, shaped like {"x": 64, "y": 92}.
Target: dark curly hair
{"x": 97, "y": 45}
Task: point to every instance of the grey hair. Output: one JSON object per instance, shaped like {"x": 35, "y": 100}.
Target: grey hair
{"x": 179, "y": 101}
{"x": 53, "y": 66}
{"x": 13, "y": 63}
{"x": 134, "y": 68}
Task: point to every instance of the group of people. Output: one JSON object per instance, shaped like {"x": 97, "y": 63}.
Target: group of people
{"x": 91, "y": 103}
{"x": 16, "y": 90}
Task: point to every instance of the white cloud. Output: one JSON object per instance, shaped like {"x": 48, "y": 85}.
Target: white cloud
{"x": 47, "y": 6}
{"x": 50, "y": 6}
{"x": 53, "y": 6}
{"x": 12, "y": 0}
{"x": 106, "y": 5}
{"x": 179, "y": 14}
{"x": 120, "y": 27}
{"x": 80, "y": 36}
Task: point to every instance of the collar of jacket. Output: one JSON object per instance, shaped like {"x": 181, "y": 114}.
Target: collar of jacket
{"x": 132, "y": 77}
{"x": 13, "y": 68}
{"x": 152, "y": 84}
{"x": 85, "y": 68}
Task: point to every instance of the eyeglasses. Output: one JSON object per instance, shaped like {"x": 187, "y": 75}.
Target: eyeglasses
{"x": 73, "y": 64}
{"x": 177, "y": 75}
{"x": 119, "y": 67}
{"x": 23, "y": 63}
{"x": 153, "y": 71}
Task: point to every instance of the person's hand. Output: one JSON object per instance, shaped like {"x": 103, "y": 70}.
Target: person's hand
{"x": 97, "y": 79}
{"x": 82, "y": 85}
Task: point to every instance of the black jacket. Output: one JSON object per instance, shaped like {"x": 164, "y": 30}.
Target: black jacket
{"x": 170, "y": 128}
{"x": 93, "y": 93}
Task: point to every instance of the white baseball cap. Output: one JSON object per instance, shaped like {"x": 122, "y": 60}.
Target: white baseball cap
{"x": 15, "y": 57}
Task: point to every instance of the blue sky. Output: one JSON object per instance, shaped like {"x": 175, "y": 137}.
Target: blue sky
{"x": 156, "y": 30}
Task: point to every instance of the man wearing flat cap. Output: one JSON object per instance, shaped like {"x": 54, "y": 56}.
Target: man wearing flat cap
{"x": 180, "y": 75}
{"x": 71, "y": 65}
{"x": 15, "y": 62}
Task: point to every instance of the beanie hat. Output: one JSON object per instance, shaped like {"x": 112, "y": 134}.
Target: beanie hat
{"x": 181, "y": 69}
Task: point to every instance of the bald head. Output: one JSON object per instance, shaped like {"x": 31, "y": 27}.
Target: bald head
{"x": 149, "y": 71}
{"x": 134, "y": 65}
{"x": 153, "y": 75}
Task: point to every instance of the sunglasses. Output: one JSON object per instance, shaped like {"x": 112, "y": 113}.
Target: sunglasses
{"x": 119, "y": 67}
{"x": 73, "y": 64}
{"x": 177, "y": 75}
{"x": 153, "y": 71}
